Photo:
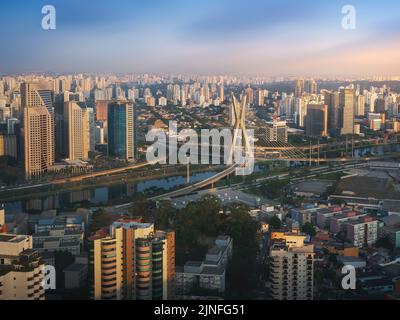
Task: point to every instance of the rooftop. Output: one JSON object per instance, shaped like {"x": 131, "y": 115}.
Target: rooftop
{"x": 12, "y": 238}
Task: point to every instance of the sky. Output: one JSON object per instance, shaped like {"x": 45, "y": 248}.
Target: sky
{"x": 252, "y": 37}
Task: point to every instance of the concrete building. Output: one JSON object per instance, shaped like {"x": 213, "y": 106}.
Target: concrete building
{"x": 346, "y": 111}
{"x": 75, "y": 275}
{"x": 362, "y": 232}
{"x": 121, "y": 130}
{"x": 2, "y": 220}
{"x": 8, "y": 145}
{"x": 291, "y": 267}
{"x": 58, "y": 239}
{"x": 132, "y": 261}
{"x": 332, "y": 100}
{"x": 21, "y": 270}
{"x": 79, "y": 130}
{"x": 277, "y": 132}
{"x": 38, "y": 135}
{"x": 317, "y": 120}
{"x": 102, "y": 110}
{"x": 37, "y": 102}
{"x": 208, "y": 274}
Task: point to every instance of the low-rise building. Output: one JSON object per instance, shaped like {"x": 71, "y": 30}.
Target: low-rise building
{"x": 362, "y": 232}
{"x": 58, "y": 239}
{"x": 208, "y": 274}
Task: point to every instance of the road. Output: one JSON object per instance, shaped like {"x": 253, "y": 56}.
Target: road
{"x": 78, "y": 178}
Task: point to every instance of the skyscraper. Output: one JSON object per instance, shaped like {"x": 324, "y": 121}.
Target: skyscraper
{"x": 101, "y": 110}
{"x": 347, "y": 108}
{"x": 78, "y": 126}
{"x": 121, "y": 130}
{"x": 37, "y": 94}
{"x": 332, "y": 101}
{"x": 37, "y": 101}
{"x": 317, "y": 120}
{"x": 38, "y": 135}
{"x": 133, "y": 262}
{"x": 299, "y": 88}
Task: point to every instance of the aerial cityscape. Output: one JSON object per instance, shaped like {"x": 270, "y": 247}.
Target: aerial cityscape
{"x": 189, "y": 151}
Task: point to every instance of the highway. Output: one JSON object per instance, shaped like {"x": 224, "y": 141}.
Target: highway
{"x": 199, "y": 185}
{"x": 79, "y": 178}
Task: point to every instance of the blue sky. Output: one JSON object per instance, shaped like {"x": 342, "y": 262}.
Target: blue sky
{"x": 286, "y": 37}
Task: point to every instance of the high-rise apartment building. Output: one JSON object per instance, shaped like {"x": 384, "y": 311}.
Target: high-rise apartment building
{"x": 291, "y": 267}
{"x": 101, "y": 110}
{"x": 311, "y": 86}
{"x": 299, "y": 88}
{"x": 21, "y": 270}
{"x": 132, "y": 261}
{"x": 317, "y": 120}
{"x": 360, "y": 111}
{"x": 347, "y": 110}
{"x": 121, "y": 130}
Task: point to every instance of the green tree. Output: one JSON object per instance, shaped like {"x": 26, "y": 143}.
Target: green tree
{"x": 385, "y": 243}
{"x": 275, "y": 222}
{"x": 100, "y": 219}
{"x": 309, "y": 229}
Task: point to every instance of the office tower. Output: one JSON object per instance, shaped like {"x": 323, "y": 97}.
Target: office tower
{"x": 3, "y": 227}
{"x": 260, "y": 98}
{"x": 221, "y": 93}
{"x": 37, "y": 95}
{"x": 317, "y": 120}
{"x": 360, "y": 111}
{"x": 79, "y": 124}
{"x": 332, "y": 100}
{"x": 102, "y": 110}
{"x": 300, "y": 108}
{"x": 8, "y": 145}
{"x": 311, "y": 87}
{"x": 380, "y": 105}
{"x": 100, "y": 138}
{"x": 121, "y": 130}
{"x": 346, "y": 111}
{"x": 291, "y": 267}
{"x": 37, "y": 101}
{"x": 250, "y": 96}
{"x": 372, "y": 99}
{"x": 277, "y": 132}
{"x": 73, "y": 96}
{"x": 21, "y": 270}
{"x": 132, "y": 262}
{"x": 12, "y": 125}
{"x": 38, "y": 135}
{"x": 89, "y": 141}
{"x": 299, "y": 88}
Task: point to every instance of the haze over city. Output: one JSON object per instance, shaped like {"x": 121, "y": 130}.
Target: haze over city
{"x": 301, "y": 38}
